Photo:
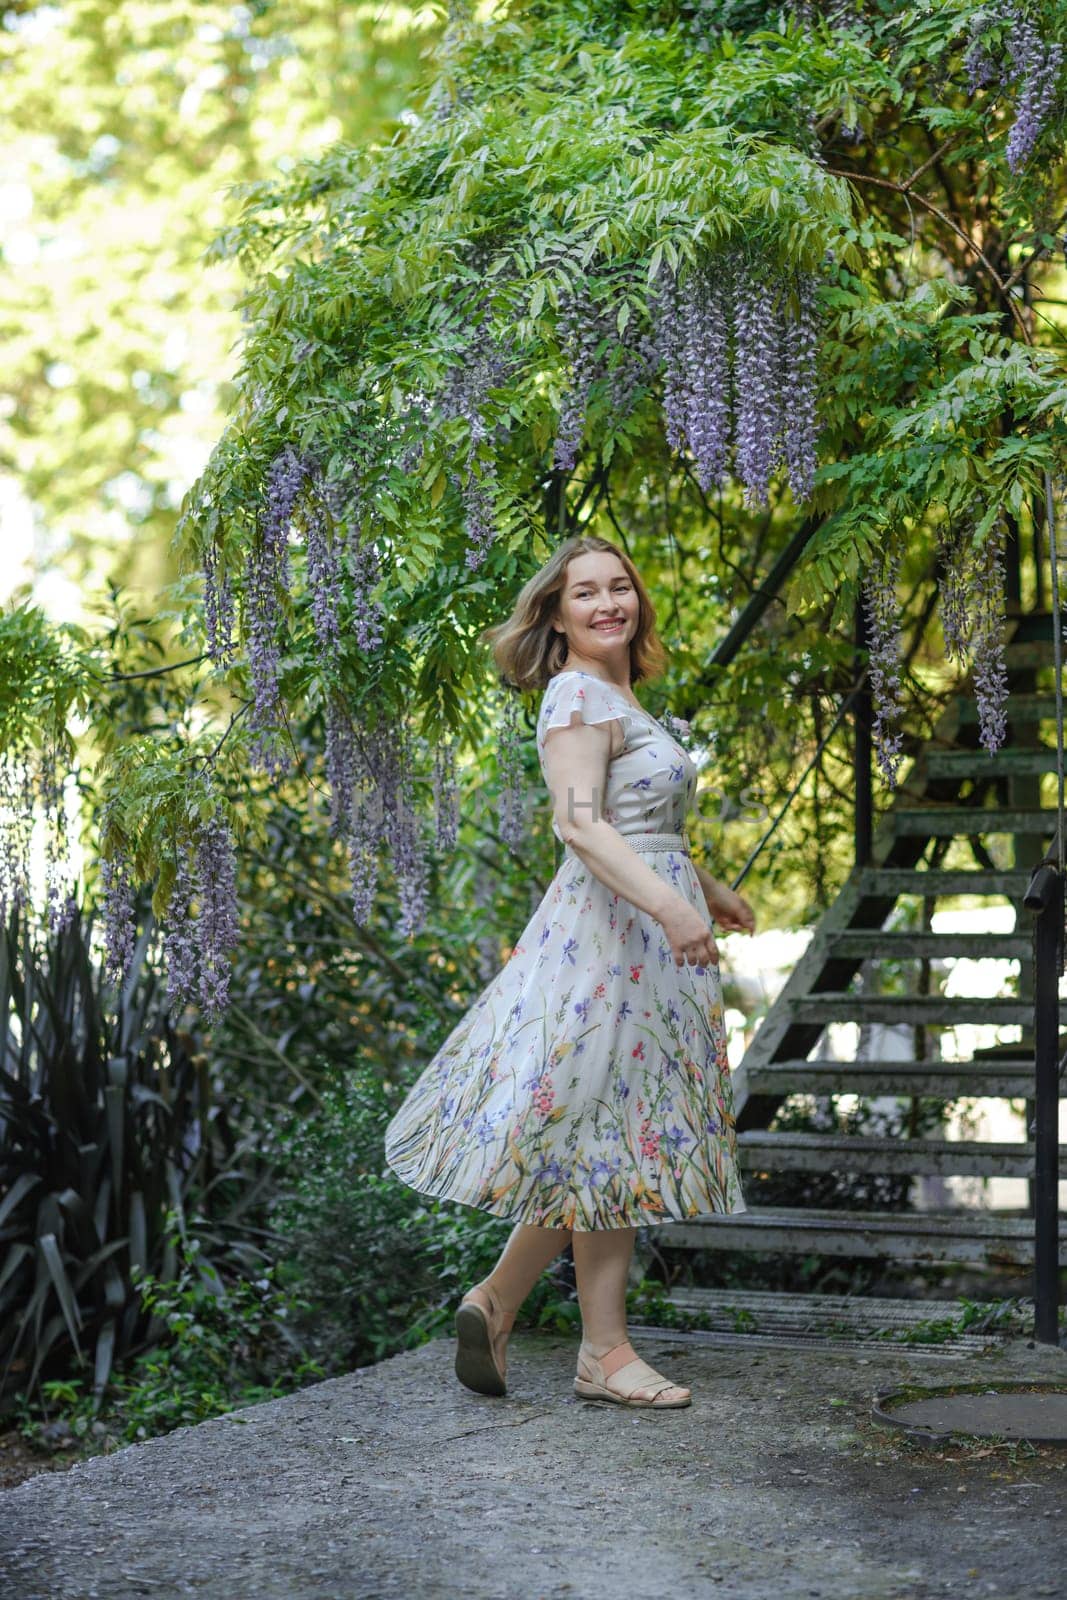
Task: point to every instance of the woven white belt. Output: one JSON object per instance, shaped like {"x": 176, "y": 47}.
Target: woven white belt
{"x": 656, "y": 841}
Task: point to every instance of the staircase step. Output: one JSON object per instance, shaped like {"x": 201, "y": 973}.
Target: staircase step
{"x": 897, "y": 944}
{"x": 764, "y": 1150}
{"x": 937, "y": 881}
{"x": 949, "y": 821}
{"x": 836, "y": 1317}
{"x": 924, "y": 1010}
{"x": 1004, "y": 763}
{"x": 936, "y": 1080}
{"x": 1030, "y": 653}
{"x": 992, "y": 1238}
{"x": 1024, "y": 708}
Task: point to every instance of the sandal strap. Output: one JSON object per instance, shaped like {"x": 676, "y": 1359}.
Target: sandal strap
{"x": 496, "y": 1310}
{"x": 640, "y": 1377}
{"x": 623, "y": 1344}
{"x": 636, "y": 1374}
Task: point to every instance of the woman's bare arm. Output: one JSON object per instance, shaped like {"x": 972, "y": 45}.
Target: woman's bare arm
{"x": 576, "y": 768}
{"x": 726, "y": 906}
{"x": 707, "y": 882}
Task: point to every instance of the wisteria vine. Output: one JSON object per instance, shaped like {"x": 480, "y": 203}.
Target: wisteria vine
{"x": 1024, "y": 60}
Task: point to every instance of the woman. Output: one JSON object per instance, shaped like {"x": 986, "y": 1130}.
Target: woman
{"x": 587, "y": 1091}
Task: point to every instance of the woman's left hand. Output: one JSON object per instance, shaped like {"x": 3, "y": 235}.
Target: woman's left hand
{"x": 730, "y": 911}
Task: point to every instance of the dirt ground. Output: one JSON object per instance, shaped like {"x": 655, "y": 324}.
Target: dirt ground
{"x": 396, "y": 1481}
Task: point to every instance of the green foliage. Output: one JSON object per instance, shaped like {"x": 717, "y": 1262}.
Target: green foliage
{"x": 565, "y": 146}
{"x": 47, "y": 680}
{"x": 548, "y": 146}
{"x": 570, "y": 161}
{"x": 108, "y": 1121}
{"x": 220, "y": 1347}
{"x": 1005, "y": 1316}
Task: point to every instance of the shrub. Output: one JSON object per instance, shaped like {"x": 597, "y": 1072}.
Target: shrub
{"x": 381, "y": 1266}
{"x": 108, "y": 1123}
{"x": 221, "y": 1346}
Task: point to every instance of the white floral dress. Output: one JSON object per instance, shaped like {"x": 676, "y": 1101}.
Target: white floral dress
{"x": 588, "y": 1086}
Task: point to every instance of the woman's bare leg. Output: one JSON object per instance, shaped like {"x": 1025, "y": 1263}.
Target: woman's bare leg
{"x": 602, "y": 1266}
{"x": 525, "y": 1256}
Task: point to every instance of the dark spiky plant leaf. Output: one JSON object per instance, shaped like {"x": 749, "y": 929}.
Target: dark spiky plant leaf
{"x": 106, "y": 1126}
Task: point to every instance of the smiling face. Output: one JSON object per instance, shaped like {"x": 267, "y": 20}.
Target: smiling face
{"x": 599, "y": 610}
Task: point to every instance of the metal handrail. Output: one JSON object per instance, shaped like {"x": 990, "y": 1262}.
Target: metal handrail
{"x": 760, "y": 598}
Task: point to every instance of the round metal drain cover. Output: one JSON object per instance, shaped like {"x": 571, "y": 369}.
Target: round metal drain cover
{"x": 1036, "y": 1412}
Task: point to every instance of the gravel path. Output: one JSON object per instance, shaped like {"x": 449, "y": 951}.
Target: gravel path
{"x": 395, "y": 1481}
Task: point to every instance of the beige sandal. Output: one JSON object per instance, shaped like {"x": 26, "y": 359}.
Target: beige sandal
{"x": 481, "y": 1342}
{"x": 636, "y": 1383}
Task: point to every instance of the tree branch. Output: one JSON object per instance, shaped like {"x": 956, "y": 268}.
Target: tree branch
{"x": 932, "y": 161}
{"x": 152, "y": 672}
{"x": 928, "y": 205}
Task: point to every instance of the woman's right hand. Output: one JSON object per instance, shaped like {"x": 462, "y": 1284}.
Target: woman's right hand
{"x": 688, "y": 935}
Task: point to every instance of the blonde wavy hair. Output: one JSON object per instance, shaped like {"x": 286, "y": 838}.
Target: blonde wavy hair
{"x": 528, "y": 651}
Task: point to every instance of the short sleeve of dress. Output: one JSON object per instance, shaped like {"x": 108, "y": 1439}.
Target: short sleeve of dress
{"x": 577, "y": 696}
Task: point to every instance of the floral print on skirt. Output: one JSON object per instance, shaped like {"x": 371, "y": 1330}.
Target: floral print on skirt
{"x": 588, "y": 1086}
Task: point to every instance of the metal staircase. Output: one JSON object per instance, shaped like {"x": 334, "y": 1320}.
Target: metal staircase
{"x": 953, "y": 797}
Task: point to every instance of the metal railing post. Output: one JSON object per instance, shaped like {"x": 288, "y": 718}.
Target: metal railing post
{"x": 862, "y": 724}
{"x": 1045, "y": 897}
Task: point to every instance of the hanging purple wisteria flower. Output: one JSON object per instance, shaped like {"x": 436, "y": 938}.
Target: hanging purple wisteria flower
{"x": 669, "y": 336}
{"x": 705, "y": 306}
{"x": 200, "y": 927}
{"x": 218, "y": 610}
{"x": 374, "y": 779}
{"x": 978, "y": 62}
{"x": 323, "y": 575}
{"x": 404, "y": 834}
{"x": 368, "y": 613}
{"x": 758, "y": 419}
{"x": 579, "y": 336}
{"x": 987, "y": 642}
{"x": 119, "y": 928}
{"x": 954, "y": 559}
{"x": 267, "y": 574}
{"x": 16, "y": 828}
{"x": 800, "y": 338}
{"x": 446, "y": 796}
{"x": 480, "y": 512}
{"x": 341, "y": 766}
{"x": 1026, "y": 60}
{"x": 217, "y": 923}
{"x": 179, "y": 934}
{"x": 880, "y": 601}
{"x": 1037, "y": 63}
